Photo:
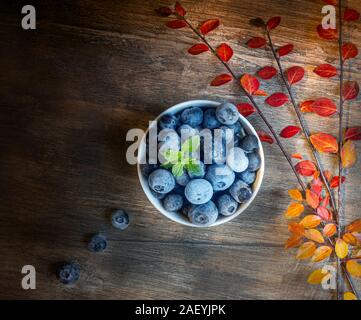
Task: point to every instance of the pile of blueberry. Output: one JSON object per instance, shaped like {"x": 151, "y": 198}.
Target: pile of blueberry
{"x": 221, "y": 184}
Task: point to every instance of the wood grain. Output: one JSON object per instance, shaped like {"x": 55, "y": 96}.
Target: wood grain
{"x": 71, "y": 89}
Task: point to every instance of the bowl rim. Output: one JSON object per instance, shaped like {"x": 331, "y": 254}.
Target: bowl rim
{"x": 175, "y": 216}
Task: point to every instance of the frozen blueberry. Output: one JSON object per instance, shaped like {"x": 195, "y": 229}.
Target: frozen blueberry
{"x": 68, "y": 272}
{"x": 173, "y": 202}
{"x": 210, "y": 120}
{"x": 161, "y": 181}
{"x": 147, "y": 169}
{"x": 183, "y": 179}
{"x": 98, "y": 243}
{"x": 158, "y": 195}
{"x": 247, "y": 176}
{"x": 120, "y": 219}
{"x": 200, "y": 173}
{"x": 219, "y": 152}
{"x": 249, "y": 143}
{"x": 204, "y": 214}
{"x": 237, "y": 128}
{"x": 220, "y": 176}
{"x": 227, "y": 113}
{"x": 237, "y": 160}
{"x": 198, "y": 191}
{"x": 168, "y": 121}
{"x": 227, "y": 134}
{"x": 254, "y": 161}
{"x": 192, "y": 116}
{"x": 169, "y": 136}
{"x": 240, "y": 191}
{"x": 226, "y": 205}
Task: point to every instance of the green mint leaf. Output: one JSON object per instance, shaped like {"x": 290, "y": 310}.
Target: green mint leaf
{"x": 177, "y": 169}
{"x": 194, "y": 167}
{"x": 166, "y": 165}
{"x": 172, "y": 156}
{"x": 191, "y": 145}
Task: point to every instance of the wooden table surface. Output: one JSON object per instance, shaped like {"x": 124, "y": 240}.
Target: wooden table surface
{"x": 69, "y": 92}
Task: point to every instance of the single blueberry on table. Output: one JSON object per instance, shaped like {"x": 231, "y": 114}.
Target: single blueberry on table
{"x": 237, "y": 160}
{"x": 247, "y": 176}
{"x": 98, "y": 243}
{"x": 249, "y": 143}
{"x": 183, "y": 179}
{"x": 120, "y": 219}
{"x": 200, "y": 173}
{"x": 227, "y": 113}
{"x": 210, "y": 120}
{"x": 240, "y": 191}
{"x": 226, "y": 205}
{"x": 198, "y": 191}
{"x": 173, "y": 202}
{"x": 168, "y": 121}
{"x": 161, "y": 181}
{"x": 254, "y": 161}
{"x": 68, "y": 272}
{"x": 220, "y": 176}
{"x": 192, "y": 116}
{"x": 205, "y": 214}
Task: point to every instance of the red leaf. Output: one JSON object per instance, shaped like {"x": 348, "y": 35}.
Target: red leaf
{"x": 326, "y": 201}
{"x": 324, "y": 107}
{"x": 179, "y": 9}
{"x": 351, "y": 15}
{"x": 295, "y": 74}
{"x": 351, "y": 90}
{"x": 208, "y": 25}
{"x": 353, "y": 133}
{"x": 221, "y": 79}
{"x": 245, "y": 109}
{"x": 273, "y": 23}
{"x": 249, "y": 83}
{"x": 325, "y": 70}
{"x": 198, "y": 48}
{"x": 277, "y": 99}
{"x": 176, "y": 24}
{"x": 289, "y": 131}
{"x": 225, "y": 52}
{"x": 324, "y": 213}
{"x": 306, "y": 106}
{"x": 328, "y": 34}
{"x": 265, "y": 137}
{"x": 305, "y": 168}
{"x": 164, "y": 11}
{"x": 267, "y": 73}
{"x": 336, "y": 181}
{"x": 332, "y": 2}
{"x": 349, "y": 51}
{"x": 285, "y": 50}
{"x": 316, "y": 185}
{"x": 297, "y": 156}
{"x": 256, "y": 42}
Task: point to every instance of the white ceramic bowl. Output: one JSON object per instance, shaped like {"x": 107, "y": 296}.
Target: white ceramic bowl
{"x": 177, "y": 217}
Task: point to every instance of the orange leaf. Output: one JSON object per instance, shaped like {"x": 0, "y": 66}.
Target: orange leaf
{"x": 349, "y": 296}
{"x": 249, "y": 83}
{"x": 324, "y": 213}
{"x": 350, "y": 239}
{"x": 354, "y": 226}
{"x": 321, "y": 253}
{"x": 314, "y": 235}
{"x": 306, "y": 250}
{"x": 295, "y": 194}
{"x": 221, "y": 79}
{"x": 296, "y": 228}
{"x": 324, "y": 142}
{"x": 312, "y": 199}
{"x": 341, "y": 248}
{"x": 310, "y": 221}
{"x": 297, "y": 156}
{"x": 317, "y": 276}
{"x": 348, "y": 154}
{"x": 294, "y": 210}
{"x": 294, "y": 241}
{"x": 354, "y": 268}
{"x": 260, "y": 93}
{"x": 329, "y": 229}
{"x": 306, "y": 106}
{"x": 225, "y": 52}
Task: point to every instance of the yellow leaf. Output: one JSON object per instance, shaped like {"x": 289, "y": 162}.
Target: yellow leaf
{"x": 306, "y": 250}
{"x": 314, "y": 235}
{"x": 329, "y": 229}
{"x": 310, "y": 221}
{"x": 348, "y": 154}
{"x": 316, "y": 277}
{"x": 321, "y": 253}
{"x": 341, "y": 248}
{"x": 294, "y": 241}
{"x": 350, "y": 239}
{"x": 349, "y": 296}
{"x": 354, "y": 226}
{"x": 294, "y": 210}
{"x": 295, "y": 194}
{"x": 354, "y": 268}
